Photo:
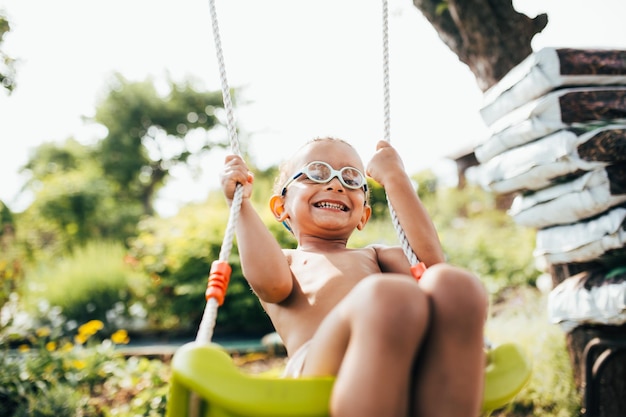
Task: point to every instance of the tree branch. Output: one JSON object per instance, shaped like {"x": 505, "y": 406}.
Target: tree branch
{"x": 490, "y": 36}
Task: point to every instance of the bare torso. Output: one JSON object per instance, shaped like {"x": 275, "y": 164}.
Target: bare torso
{"x": 321, "y": 280}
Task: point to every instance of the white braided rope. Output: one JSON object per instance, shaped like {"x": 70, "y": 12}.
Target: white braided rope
{"x": 386, "y": 89}
{"x": 207, "y": 324}
{"x": 228, "y": 104}
{"x": 404, "y": 242}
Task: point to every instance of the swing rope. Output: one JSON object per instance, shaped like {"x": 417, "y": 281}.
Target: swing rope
{"x": 220, "y": 270}
{"x": 404, "y": 242}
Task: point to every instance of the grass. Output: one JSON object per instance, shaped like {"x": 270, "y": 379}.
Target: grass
{"x": 521, "y": 317}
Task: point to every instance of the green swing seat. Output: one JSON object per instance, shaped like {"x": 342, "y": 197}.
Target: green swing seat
{"x": 207, "y": 373}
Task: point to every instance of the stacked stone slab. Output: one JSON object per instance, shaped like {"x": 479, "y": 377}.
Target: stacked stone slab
{"x": 558, "y": 144}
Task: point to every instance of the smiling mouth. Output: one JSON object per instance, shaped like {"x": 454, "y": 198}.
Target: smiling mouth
{"x": 332, "y": 206}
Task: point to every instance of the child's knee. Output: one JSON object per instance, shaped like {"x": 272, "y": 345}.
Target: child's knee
{"x": 456, "y": 291}
{"x": 394, "y": 303}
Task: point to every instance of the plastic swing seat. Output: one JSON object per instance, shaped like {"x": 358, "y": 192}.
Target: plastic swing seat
{"x": 207, "y": 372}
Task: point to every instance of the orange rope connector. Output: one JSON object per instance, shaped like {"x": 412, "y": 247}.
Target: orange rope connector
{"x": 218, "y": 281}
{"x": 417, "y": 270}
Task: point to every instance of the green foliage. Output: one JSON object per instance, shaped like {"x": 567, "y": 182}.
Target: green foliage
{"x": 58, "y": 401}
{"x": 11, "y": 272}
{"x": 136, "y": 387}
{"x": 6, "y": 219}
{"x": 53, "y": 376}
{"x": 93, "y": 283}
{"x": 73, "y": 203}
{"x": 177, "y": 253}
{"x": 377, "y": 201}
{"x": 148, "y": 134}
{"x": 50, "y": 159}
{"x": 7, "y": 64}
{"x": 478, "y": 236}
{"x": 94, "y": 192}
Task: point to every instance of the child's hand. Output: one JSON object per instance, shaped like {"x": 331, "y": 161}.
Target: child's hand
{"x": 385, "y": 164}
{"x": 236, "y": 172}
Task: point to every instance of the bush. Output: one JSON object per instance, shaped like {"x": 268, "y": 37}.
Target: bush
{"x": 66, "y": 376}
{"x": 53, "y": 375}
{"x": 177, "y": 254}
{"x": 58, "y": 401}
{"x": 11, "y": 271}
{"x": 482, "y": 238}
{"x": 93, "y": 283}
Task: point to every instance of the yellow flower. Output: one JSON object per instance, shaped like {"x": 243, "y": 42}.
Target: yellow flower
{"x": 80, "y": 338}
{"x": 90, "y": 328}
{"x": 43, "y": 331}
{"x": 120, "y": 337}
{"x": 79, "y": 364}
{"x": 51, "y": 346}
{"x": 67, "y": 346}
{"x": 23, "y": 348}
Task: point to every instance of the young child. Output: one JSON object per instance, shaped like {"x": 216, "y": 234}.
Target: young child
{"x": 397, "y": 347}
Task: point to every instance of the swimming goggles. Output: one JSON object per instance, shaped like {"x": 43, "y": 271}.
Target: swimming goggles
{"x": 322, "y": 173}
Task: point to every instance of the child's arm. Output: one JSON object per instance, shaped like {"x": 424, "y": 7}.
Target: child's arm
{"x": 387, "y": 169}
{"x": 262, "y": 260}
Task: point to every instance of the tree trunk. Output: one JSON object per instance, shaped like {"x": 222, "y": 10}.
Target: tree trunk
{"x": 489, "y": 36}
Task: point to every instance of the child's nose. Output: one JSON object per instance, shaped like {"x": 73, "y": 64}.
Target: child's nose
{"x": 335, "y": 184}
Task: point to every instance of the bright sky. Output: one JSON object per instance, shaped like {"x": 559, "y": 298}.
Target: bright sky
{"x": 307, "y": 68}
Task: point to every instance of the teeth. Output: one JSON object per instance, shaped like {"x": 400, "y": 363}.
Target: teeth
{"x": 336, "y": 206}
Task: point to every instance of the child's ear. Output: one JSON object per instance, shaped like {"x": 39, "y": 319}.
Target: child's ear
{"x": 367, "y": 212}
{"x": 277, "y": 205}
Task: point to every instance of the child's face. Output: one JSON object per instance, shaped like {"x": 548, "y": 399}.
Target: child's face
{"x": 329, "y": 209}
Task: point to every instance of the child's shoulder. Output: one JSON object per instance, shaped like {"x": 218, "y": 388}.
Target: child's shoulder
{"x": 390, "y": 258}
{"x": 378, "y": 247}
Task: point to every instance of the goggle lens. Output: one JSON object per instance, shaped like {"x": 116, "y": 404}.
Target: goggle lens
{"x": 322, "y": 173}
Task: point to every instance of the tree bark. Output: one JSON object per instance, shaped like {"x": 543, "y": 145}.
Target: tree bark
{"x": 489, "y": 36}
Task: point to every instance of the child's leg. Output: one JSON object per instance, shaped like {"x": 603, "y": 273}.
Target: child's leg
{"x": 369, "y": 341}
{"x": 449, "y": 373}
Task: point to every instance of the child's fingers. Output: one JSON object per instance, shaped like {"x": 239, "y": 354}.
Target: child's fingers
{"x": 382, "y": 144}
{"x": 237, "y": 170}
